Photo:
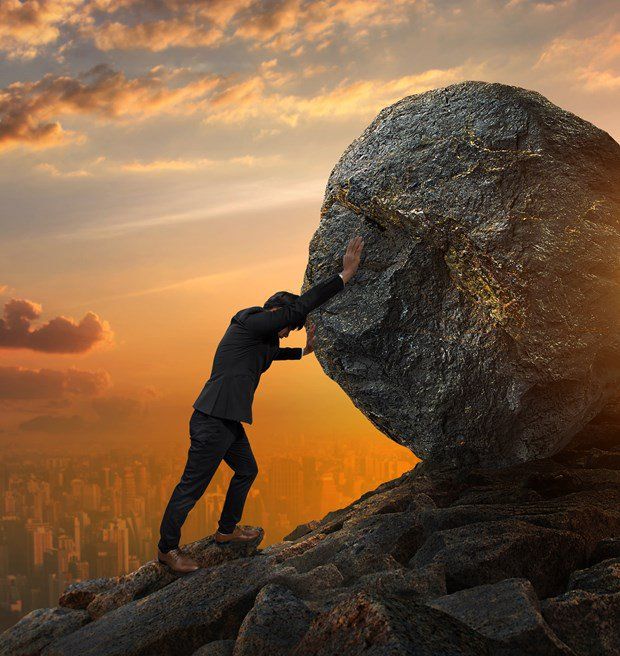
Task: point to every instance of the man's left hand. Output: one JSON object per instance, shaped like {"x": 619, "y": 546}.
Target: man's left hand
{"x": 309, "y": 347}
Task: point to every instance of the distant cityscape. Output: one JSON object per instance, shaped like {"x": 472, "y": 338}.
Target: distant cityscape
{"x": 65, "y": 518}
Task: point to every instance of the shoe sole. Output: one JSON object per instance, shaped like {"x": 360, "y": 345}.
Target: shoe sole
{"x": 177, "y": 571}
{"x": 237, "y": 541}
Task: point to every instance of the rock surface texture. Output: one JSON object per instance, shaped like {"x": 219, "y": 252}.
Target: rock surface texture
{"x": 484, "y": 322}
{"x": 440, "y": 561}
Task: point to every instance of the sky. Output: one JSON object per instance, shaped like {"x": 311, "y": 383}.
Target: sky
{"x": 162, "y": 165}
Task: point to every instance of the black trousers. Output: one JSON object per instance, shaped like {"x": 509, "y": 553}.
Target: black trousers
{"x": 213, "y": 439}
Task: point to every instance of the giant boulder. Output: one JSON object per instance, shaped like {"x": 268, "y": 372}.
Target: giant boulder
{"x": 483, "y": 324}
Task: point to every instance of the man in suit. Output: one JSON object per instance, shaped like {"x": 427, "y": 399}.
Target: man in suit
{"x": 246, "y": 351}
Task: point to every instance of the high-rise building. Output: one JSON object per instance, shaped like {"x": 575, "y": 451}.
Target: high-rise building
{"x": 41, "y": 538}
{"x": 77, "y": 491}
{"x": 128, "y": 491}
{"x": 117, "y": 534}
{"x": 92, "y": 497}
{"x": 142, "y": 480}
{"x": 77, "y": 537}
{"x": 285, "y": 479}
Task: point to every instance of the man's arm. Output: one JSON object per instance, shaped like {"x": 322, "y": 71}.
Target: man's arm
{"x": 263, "y": 323}
{"x": 289, "y": 354}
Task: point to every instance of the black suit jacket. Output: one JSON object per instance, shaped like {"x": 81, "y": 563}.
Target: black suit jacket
{"x": 249, "y": 346}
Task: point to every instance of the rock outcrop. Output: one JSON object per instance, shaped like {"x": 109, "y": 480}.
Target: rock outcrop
{"x": 100, "y": 596}
{"x": 508, "y": 613}
{"x": 484, "y": 322}
{"x": 518, "y": 561}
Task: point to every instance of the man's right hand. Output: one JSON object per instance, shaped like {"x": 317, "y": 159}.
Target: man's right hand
{"x": 351, "y": 259}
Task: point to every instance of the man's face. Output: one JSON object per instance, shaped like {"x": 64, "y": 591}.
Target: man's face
{"x": 284, "y": 332}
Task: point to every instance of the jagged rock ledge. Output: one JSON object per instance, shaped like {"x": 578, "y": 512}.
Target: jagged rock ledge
{"x": 521, "y": 560}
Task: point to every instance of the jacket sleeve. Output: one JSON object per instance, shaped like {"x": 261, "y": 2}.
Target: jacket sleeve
{"x": 288, "y": 354}
{"x": 263, "y": 323}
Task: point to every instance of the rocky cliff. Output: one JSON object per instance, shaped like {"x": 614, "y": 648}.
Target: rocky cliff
{"x": 484, "y": 322}
{"x": 441, "y": 561}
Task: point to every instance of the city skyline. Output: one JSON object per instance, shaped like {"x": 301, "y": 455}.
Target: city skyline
{"x": 67, "y": 518}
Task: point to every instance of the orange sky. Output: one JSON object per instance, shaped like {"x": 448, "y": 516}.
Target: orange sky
{"x": 162, "y": 165}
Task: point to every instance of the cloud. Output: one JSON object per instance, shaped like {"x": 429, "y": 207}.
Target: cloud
{"x": 286, "y": 24}
{"x": 30, "y": 111}
{"x": 114, "y": 410}
{"x": 278, "y": 24}
{"x": 59, "y": 335}
{"x": 52, "y": 170}
{"x": 312, "y": 70}
{"x": 156, "y": 166}
{"x": 146, "y": 167}
{"x": 25, "y": 27}
{"x": 273, "y": 75}
{"x": 253, "y": 161}
{"x": 591, "y": 62}
{"x": 54, "y": 425}
{"x": 18, "y": 383}
{"x": 249, "y": 198}
{"x": 540, "y": 6}
{"x": 3, "y": 288}
{"x": 593, "y": 80}
{"x": 270, "y": 19}
{"x": 110, "y": 413}
{"x": 154, "y": 36}
{"x": 251, "y": 99}
{"x": 209, "y": 281}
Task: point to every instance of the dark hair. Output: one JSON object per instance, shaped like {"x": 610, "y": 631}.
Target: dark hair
{"x": 280, "y": 299}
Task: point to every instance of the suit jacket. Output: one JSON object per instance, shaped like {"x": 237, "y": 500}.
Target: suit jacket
{"x": 249, "y": 346}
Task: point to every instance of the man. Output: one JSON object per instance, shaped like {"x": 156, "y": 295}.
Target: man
{"x": 247, "y": 349}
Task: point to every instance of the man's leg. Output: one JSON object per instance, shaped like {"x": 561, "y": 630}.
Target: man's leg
{"x": 210, "y": 439}
{"x": 240, "y": 459}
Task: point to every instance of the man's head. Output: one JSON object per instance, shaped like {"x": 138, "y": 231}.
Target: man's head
{"x": 278, "y": 300}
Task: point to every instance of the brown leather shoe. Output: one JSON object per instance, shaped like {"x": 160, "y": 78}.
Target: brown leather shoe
{"x": 238, "y": 535}
{"x": 248, "y": 530}
{"x": 177, "y": 561}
